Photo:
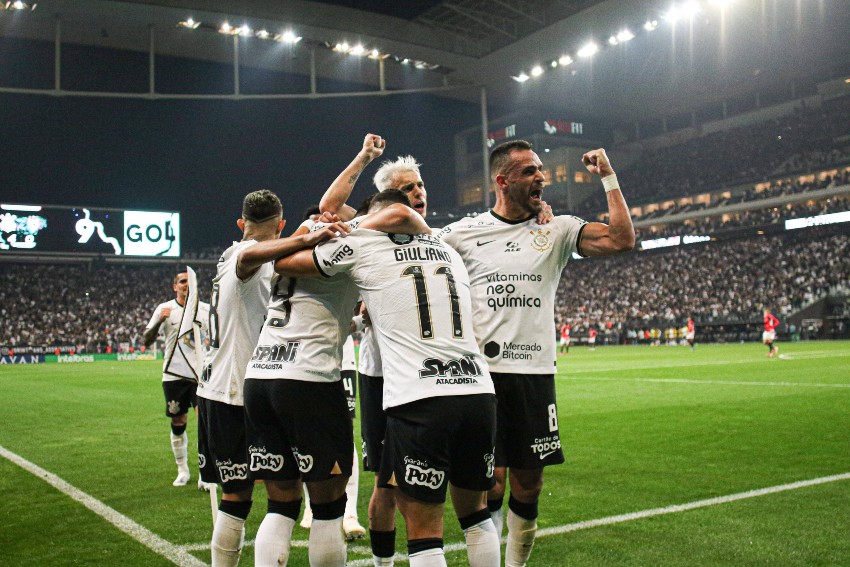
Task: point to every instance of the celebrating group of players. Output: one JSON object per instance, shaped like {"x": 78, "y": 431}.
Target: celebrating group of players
{"x": 456, "y": 363}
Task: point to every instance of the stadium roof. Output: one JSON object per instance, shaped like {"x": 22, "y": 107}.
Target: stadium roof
{"x": 746, "y": 47}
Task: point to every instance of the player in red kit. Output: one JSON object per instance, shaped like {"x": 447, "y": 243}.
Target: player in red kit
{"x": 564, "y": 346}
{"x": 691, "y": 332}
{"x": 591, "y": 339}
{"x": 769, "y": 335}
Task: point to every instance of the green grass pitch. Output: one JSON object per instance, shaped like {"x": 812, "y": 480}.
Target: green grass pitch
{"x": 643, "y": 429}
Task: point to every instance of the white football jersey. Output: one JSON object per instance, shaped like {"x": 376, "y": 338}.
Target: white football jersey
{"x": 514, "y": 269}
{"x": 237, "y": 311}
{"x": 174, "y": 368}
{"x": 417, "y": 293}
{"x": 307, "y": 323}
{"x": 369, "y": 362}
{"x": 348, "y": 358}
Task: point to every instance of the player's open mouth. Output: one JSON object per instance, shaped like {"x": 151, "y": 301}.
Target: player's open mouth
{"x": 536, "y": 193}
{"x": 418, "y": 206}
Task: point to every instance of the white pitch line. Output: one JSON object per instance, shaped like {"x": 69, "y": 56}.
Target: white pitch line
{"x": 610, "y": 520}
{"x": 714, "y": 382}
{"x": 173, "y": 553}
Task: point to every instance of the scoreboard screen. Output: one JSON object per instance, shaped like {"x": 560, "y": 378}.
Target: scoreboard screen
{"x": 40, "y": 229}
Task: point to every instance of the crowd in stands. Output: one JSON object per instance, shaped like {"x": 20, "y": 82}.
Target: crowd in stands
{"x": 799, "y": 142}
{"x": 90, "y": 307}
{"x": 93, "y": 307}
{"x": 726, "y": 281}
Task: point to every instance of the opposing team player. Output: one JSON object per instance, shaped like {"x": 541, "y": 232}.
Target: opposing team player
{"x": 565, "y": 339}
{"x": 240, "y": 297}
{"x": 179, "y": 381}
{"x": 514, "y": 266}
{"x": 769, "y": 334}
{"x": 437, "y": 392}
{"x": 691, "y": 332}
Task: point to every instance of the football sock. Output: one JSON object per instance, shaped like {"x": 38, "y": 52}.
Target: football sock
{"x": 383, "y": 547}
{"x": 180, "y": 448}
{"x": 426, "y": 552}
{"x": 496, "y": 514}
{"x": 351, "y": 488}
{"x": 482, "y": 541}
{"x": 327, "y": 542}
{"x": 229, "y": 533}
{"x": 274, "y": 536}
{"x": 522, "y": 527}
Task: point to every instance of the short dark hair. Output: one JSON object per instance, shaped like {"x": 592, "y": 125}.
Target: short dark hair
{"x": 364, "y": 206}
{"x": 387, "y": 198}
{"x": 310, "y": 211}
{"x": 261, "y": 206}
{"x": 499, "y": 156}
{"x": 177, "y": 276}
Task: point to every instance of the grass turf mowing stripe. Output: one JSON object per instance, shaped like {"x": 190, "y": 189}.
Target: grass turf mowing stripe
{"x": 716, "y": 382}
{"x": 172, "y": 552}
{"x": 610, "y": 520}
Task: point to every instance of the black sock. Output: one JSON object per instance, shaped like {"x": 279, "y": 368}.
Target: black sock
{"x": 236, "y": 508}
{"x": 383, "y": 543}
{"x": 178, "y": 430}
{"x": 289, "y": 509}
{"x": 523, "y": 510}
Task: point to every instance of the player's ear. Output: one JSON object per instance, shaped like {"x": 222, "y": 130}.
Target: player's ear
{"x": 280, "y": 225}
{"x": 501, "y": 181}
{"x": 241, "y": 224}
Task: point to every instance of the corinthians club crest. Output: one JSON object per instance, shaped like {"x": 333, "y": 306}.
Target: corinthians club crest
{"x": 540, "y": 240}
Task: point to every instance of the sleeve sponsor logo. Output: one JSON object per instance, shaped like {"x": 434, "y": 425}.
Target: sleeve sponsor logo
{"x": 260, "y": 459}
{"x": 339, "y": 255}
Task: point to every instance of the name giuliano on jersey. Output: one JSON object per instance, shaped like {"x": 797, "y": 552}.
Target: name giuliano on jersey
{"x": 416, "y": 290}
{"x": 306, "y": 326}
{"x": 237, "y": 311}
{"x": 514, "y": 268}
{"x": 175, "y": 367}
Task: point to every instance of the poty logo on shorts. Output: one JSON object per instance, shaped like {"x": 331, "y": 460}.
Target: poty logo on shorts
{"x": 432, "y": 478}
{"x": 265, "y": 461}
{"x": 232, "y": 472}
{"x": 305, "y": 462}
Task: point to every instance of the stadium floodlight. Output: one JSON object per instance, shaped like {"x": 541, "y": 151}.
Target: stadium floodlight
{"x": 521, "y": 78}
{"x": 19, "y": 6}
{"x": 625, "y": 35}
{"x": 650, "y": 25}
{"x": 358, "y": 50}
{"x": 287, "y": 37}
{"x": 536, "y": 71}
{"x": 342, "y": 47}
{"x": 554, "y": 64}
{"x": 263, "y": 34}
{"x": 244, "y": 31}
{"x": 189, "y": 24}
{"x": 225, "y": 28}
{"x": 684, "y": 11}
{"x": 613, "y": 40}
{"x": 564, "y": 60}
{"x": 588, "y": 50}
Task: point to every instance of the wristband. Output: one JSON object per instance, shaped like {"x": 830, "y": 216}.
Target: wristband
{"x": 609, "y": 182}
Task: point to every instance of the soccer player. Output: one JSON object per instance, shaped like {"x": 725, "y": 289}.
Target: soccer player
{"x": 179, "y": 381}
{"x": 240, "y": 297}
{"x": 690, "y": 332}
{"x": 437, "y": 393}
{"x": 514, "y": 266}
{"x": 769, "y": 334}
{"x": 591, "y": 338}
{"x": 565, "y": 339}
{"x": 298, "y": 424}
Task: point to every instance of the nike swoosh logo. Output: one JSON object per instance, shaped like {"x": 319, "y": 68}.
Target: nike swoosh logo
{"x": 483, "y": 243}
{"x": 544, "y": 455}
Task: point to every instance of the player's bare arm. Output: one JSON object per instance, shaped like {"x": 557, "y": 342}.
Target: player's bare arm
{"x": 598, "y": 239}
{"x": 396, "y": 218}
{"x": 258, "y": 254}
{"x": 149, "y": 335}
{"x": 337, "y": 194}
